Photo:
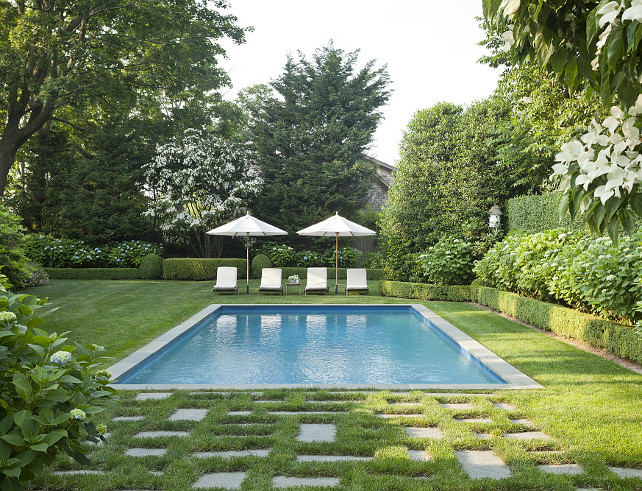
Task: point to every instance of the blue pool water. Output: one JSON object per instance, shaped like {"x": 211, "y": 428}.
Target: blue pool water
{"x": 312, "y": 345}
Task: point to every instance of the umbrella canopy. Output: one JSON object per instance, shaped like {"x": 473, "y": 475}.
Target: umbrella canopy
{"x": 248, "y": 226}
{"x": 336, "y": 226}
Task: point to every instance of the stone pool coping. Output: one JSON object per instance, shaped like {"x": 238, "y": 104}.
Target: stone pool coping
{"x": 514, "y": 378}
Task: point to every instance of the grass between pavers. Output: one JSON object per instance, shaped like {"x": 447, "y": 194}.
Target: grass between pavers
{"x": 591, "y": 407}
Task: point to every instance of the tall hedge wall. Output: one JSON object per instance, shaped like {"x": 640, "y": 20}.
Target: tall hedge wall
{"x": 536, "y": 213}
{"x": 93, "y": 273}
{"x": 197, "y": 269}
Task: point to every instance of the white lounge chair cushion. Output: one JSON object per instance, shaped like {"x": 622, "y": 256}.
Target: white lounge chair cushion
{"x": 271, "y": 278}
{"x": 357, "y": 279}
{"x": 317, "y": 279}
{"x": 226, "y": 277}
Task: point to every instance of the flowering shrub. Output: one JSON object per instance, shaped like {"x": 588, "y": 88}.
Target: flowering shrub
{"x": 448, "y": 262}
{"x": 36, "y": 275}
{"x": 49, "y": 392}
{"x": 13, "y": 261}
{"x": 348, "y": 257}
{"x": 309, "y": 259}
{"x": 280, "y": 255}
{"x": 70, "y": 253}
{"x": 590, "y": 274}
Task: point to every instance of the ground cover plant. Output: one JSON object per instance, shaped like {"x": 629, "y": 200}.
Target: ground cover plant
{"x": 589, "y": 408}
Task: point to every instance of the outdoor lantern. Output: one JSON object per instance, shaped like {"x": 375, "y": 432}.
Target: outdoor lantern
{"x": 495, "y": 217}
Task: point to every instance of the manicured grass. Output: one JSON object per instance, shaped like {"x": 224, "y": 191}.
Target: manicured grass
{"x": 590, "y": 406}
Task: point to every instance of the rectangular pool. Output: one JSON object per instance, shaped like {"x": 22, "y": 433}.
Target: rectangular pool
{"x": 315, "y": 345}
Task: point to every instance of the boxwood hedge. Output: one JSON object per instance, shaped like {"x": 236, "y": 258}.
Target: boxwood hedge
{"x": 199, "y": 269}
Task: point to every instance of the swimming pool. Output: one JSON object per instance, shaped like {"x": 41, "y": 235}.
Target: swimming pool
{"x": 316, "y": 345}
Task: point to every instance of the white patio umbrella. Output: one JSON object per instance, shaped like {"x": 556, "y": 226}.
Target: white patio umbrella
{"x": 338, "y": 226}
{"x": 247, "y": 225}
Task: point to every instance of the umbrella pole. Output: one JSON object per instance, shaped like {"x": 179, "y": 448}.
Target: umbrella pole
{"x": 336, "y": 263}
{"x": 247, "y": 263}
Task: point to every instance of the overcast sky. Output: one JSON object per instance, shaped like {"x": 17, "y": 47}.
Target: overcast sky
{"x": 430, "y": 48}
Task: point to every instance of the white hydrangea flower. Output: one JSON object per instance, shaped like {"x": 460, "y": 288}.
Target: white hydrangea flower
{"x": 7, "y": 316}
{"x": 60, "y": 358}
{"x": 78, "y": 414}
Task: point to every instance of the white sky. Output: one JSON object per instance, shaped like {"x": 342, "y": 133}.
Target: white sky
{"x": 430, "y": 48}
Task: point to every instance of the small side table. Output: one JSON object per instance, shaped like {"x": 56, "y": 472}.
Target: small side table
{"x": 288, "y": 284}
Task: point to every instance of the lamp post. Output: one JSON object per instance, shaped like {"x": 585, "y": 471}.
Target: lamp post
{"x": 494, "y": 218}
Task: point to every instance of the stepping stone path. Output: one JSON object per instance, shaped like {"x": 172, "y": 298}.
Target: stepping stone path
{"x": 148, "y": 396}
{"x": 523, "y": 421}
{"x": 572, "y": 469}
{"x": 485, "y": 463}
{"x": 239, "y": 413}
{"x": 483, "y": 436}
{"x": 327, "y": 402}
{"x": 288, "y": 482}
{"x": 77, "y": 473}
{"x": 317, "y": 433}
{"x": 156, "y": 434}
{"x": 405, "y": 404}
{"x": 473, "y": 420}
{"x": 527, "y": 435}
{"x": 128, "y": 418}
{"x": 504, "y": 406}
{"x": 419, "y": 455}
{"x": 457, "y": 406}
{"x": 624, "y": 472}
{"x": 267, "y": 402}
{"x": 233, "y": 453}
{"x": 188, "y": 414}
{"x": 415, "y": 432}
{"x": 225, "y": 480}
{"x": 295, "y": 413}
{"x": 392, "y": 416}
{"x": 146, "y": 452}
{"x": 330, "y": 458}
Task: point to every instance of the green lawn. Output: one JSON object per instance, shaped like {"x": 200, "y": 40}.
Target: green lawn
{"x": 591, "y": 407}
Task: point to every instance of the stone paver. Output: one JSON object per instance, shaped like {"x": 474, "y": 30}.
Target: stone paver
{"x": 523, "y": 421}
{"x": 504, "y": 406}
{"x": 330, "y": 458}
{"x": 288, "y": 482}
{"x": 483, "y": 436}
{"x": 572, "y": 469}
{"x": 239, "y": 413}
{"x": 414, "y": 405}
{"x": 625, "y": 472}
{"x": 391, "y": 416}
{"x": 267, "y": 402}
{"x": 128, "y": 418}
{"x": 155, "y": 434}
{"x": 147, "y": 396}
{"x": 189, "y": 415}
{"x": 78, "y": 472}
{"x": 233, "y": 453}
{"x": 484, "y": 463}
{"x": 457, "y": 405}
{"x": 416, "y": 432}
{"x": 225, "y": 480}
{"x": 527, "y": 435}
{"x": 473, "y": 420}
{"x": 146, "y": 452}
{"x": 307, "y": 413}
{"x": 317, "y": 433}
{"x": 419, "y": 455}
{"x": 327, "y": 402}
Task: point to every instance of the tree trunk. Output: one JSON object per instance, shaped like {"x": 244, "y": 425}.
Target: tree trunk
{"x": 8, "y": 149}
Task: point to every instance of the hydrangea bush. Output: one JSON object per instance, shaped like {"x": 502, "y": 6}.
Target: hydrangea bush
{"x": 50, "y": 390}
{"x": 449, "y": 262}
{"x": 13, "y": 260}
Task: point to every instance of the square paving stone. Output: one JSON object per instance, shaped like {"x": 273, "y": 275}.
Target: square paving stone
{"x": 419, "y": 455}
{"x": 188, "y": 414}
{"x": 473, "y": 420}
{"x": 625, "y": 472}
{"x": 504, "y": 406}
{"x": 267, "y": 402}
{"x": 288, "y": 482}
{"x": 523, "y": 421}
{"x": 330, "y": 458}
{"x": 306, "y": 413}
{"x": 128, "y": 418}
{"x": 239, "y": 413}
{"x": 527, "y": 435}
{"x": 147, "y": 396}
{"x": 483, "y": 436}
{"x": 233, "y": 453}
{"x": 317, "y": 433}
{"x": 405, "y": 404}
{"x": 391, "y": 416}
{"x": 146, "y": 452}
{"x": 572, "y": 469}
{"x": 416, "y": 432}
{"x": 78, "y": 472}
{"x": 226, "y": 480}
{"x": 457, "y": 405}
{"x": 155, "y": 434}
{"x": 484, "y": 463}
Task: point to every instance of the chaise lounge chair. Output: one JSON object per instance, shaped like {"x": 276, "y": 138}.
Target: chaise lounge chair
{"x": 357, "y": 281}
{"x": 226, "y": 280}
{"x": 271, "y": 280}
{"x": 317, "y": 280}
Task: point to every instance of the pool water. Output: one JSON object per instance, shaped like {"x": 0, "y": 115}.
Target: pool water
{"x": 312, "y": 344}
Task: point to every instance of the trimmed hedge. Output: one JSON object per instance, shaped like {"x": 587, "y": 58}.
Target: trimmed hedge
{"x": 422, "y": 291}
{"x": 199, "y": 269}
{"x": 536, "y": 213}
{"x": 371, "y": 274}
{"x": 259, "y": 262}
{"x": 616, "y": 338}
{"x": 93, "y": 273}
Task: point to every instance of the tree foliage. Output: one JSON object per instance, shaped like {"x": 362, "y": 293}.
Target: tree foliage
{"x": 59, "y": 58}
{"x": 310, "y": 131}
{"x": 198, "y": 183}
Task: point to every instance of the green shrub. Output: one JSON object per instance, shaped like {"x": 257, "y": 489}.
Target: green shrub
{"x": 348, "y": 257}
{"x": 93, "y": 273}
{"x": 130, "y": 254}
{"x": 259, "y": 262}
{"x": 199, "y": 269}
{"x": 535, "y": 213}
{"x": 371, "y": 260}
{"x": 448, "y": 262}
{"x": 13, "y": 261}
{"x": 49, "y": 393}
{"x": 423, "y": 291}
{"x": 280, "y": 254}
{"x": 309, "y": 259}
{"x": 37, "y": 276}
{"x": 371, "y": 274}
{"x": 151, "y": 267}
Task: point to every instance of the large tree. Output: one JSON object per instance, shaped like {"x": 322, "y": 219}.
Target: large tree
{"x": 59, "y": 57}
{"x": 311, "y": 133}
